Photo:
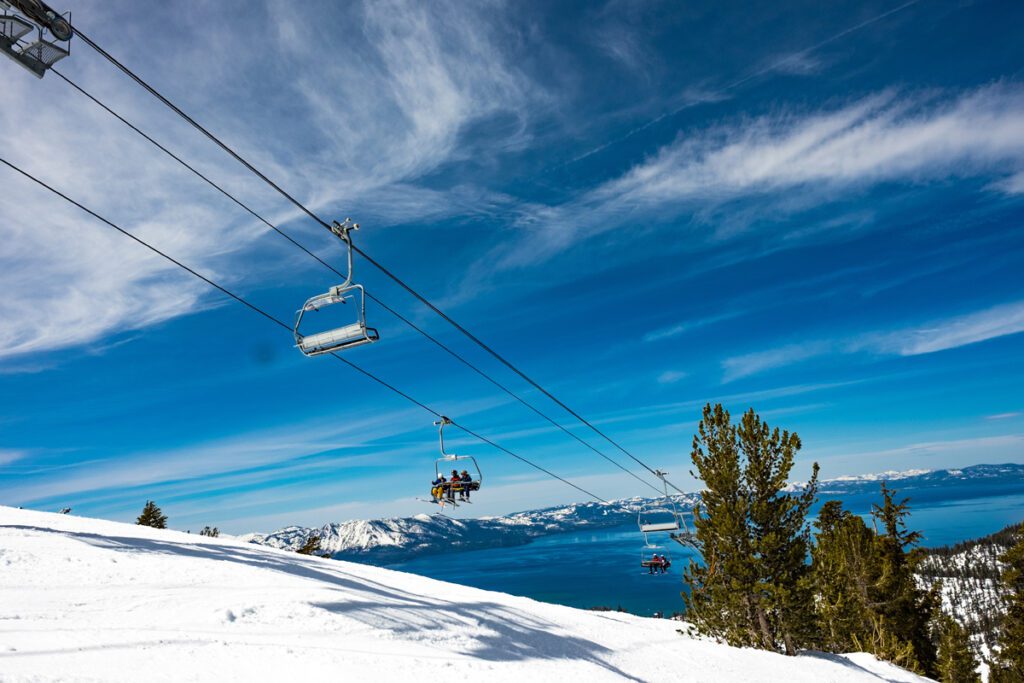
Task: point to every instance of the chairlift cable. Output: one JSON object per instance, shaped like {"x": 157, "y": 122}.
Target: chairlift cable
{"x": 217, "y": 141}
{"x": 288, "y": 327}
{"x": 327, "y": 265}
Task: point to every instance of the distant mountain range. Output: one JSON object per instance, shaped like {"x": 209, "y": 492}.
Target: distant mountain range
{"x": 393, "y": 540}
{"x": 397, "y": 539}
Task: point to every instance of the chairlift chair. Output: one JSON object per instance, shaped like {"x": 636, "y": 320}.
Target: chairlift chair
{"x": 446, "y": 458}
{"x": 647, "y": 553}
{"x": 661, "y": 515}
{"x": 346, "y": 336}
{"x": 658, "y": 517}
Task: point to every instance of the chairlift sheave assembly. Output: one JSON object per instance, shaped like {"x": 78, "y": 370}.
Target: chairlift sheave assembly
{"x": 443, "y": 492}
{"x": 346, "y": 336}
{"x": 18, "y": 20}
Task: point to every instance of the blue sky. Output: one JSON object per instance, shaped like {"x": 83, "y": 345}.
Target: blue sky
{"x": 646, "y": 206}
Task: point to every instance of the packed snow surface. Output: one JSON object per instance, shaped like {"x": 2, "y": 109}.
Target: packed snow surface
{"x": 85, "y": 599}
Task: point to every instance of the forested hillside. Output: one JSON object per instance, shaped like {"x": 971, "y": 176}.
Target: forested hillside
{"x": 971, "y": 590}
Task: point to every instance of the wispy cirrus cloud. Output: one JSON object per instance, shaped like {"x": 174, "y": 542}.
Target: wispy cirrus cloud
{"x": 679, "y": 329}
{"x": 940, "y": 335}
{"x": 368, "y": 123}
{"x": 906, "y": 138}
{"x": 235, "y": 456}
{"x": 931, "y": 448}
{"x": 760, "y": 361}
{"x": 951, "y": 333}
{"x": 7, "y": 455}
{"x": 672, "y": 376}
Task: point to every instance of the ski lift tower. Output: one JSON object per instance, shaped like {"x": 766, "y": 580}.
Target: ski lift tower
{"x": 24, "y": 25}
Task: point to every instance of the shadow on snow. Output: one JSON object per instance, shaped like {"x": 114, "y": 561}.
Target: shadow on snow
{"x": 497, "y": 632}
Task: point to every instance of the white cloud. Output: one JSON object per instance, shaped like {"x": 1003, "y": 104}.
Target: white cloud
{"x": 759, "y": 361}
{"x": 7, "y": 456}
{"x": 941, "y": 335}
{"x": 672, "y": 376}
{"x": 952, "y": 333}
{"x": 1004, "y": 416}
{"x": 689, "y": 326}
{"x": 231, "y": 455}
{"x": 365, "y": 119}
{"x": 931, "y": 448}
{"x": 883, "y": 138}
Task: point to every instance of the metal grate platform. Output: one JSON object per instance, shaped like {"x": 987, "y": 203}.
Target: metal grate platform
{"x": 45, "y": 52}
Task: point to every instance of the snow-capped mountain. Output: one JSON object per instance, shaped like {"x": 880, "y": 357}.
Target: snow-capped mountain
{"x": 387, "y": 541}
{"x": 987, "y": 476}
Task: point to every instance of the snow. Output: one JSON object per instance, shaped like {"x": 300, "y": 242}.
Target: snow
{"x": 888, "y": 475}
{"x": 86, "y": 599}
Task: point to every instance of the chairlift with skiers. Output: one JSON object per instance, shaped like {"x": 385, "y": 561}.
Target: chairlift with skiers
{"x": 457, "y": 489}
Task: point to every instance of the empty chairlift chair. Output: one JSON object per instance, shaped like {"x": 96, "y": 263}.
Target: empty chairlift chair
{"x": 345, "y": 336}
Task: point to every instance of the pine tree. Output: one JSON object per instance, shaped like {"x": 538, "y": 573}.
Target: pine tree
{"x": 1009, "y": 661}
{"x": 754, "y": 588}
{"x": 714, "y": 603}
{"x": 152, "y": 516}
{"x": 311, "y": 546}
{"x": 844, "y": 567}
{"x": 904, "y": 609}
{"x": 956, "y": 662}
{"x": 213, "y": 532}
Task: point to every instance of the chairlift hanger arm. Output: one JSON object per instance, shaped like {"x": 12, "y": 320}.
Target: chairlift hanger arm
{"x": 440, "y": 435}
{"x": 342, "y": 230}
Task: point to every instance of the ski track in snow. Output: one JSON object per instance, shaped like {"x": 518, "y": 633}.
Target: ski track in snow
{"x": 86, "y": 599}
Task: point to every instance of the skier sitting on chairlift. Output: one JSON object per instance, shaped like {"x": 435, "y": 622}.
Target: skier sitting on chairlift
{"x": 437, "y": 488}
{"x": 654, "y": 563}
{"x": 456, "y": 485}
{"x": 466, "y": 481}
{"x": 665, "y": 564}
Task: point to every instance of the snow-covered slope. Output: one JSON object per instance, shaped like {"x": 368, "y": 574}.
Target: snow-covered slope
{"x": 84, "y": 599}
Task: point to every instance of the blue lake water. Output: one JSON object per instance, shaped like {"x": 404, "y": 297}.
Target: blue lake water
{"x": 602, "y": 568}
